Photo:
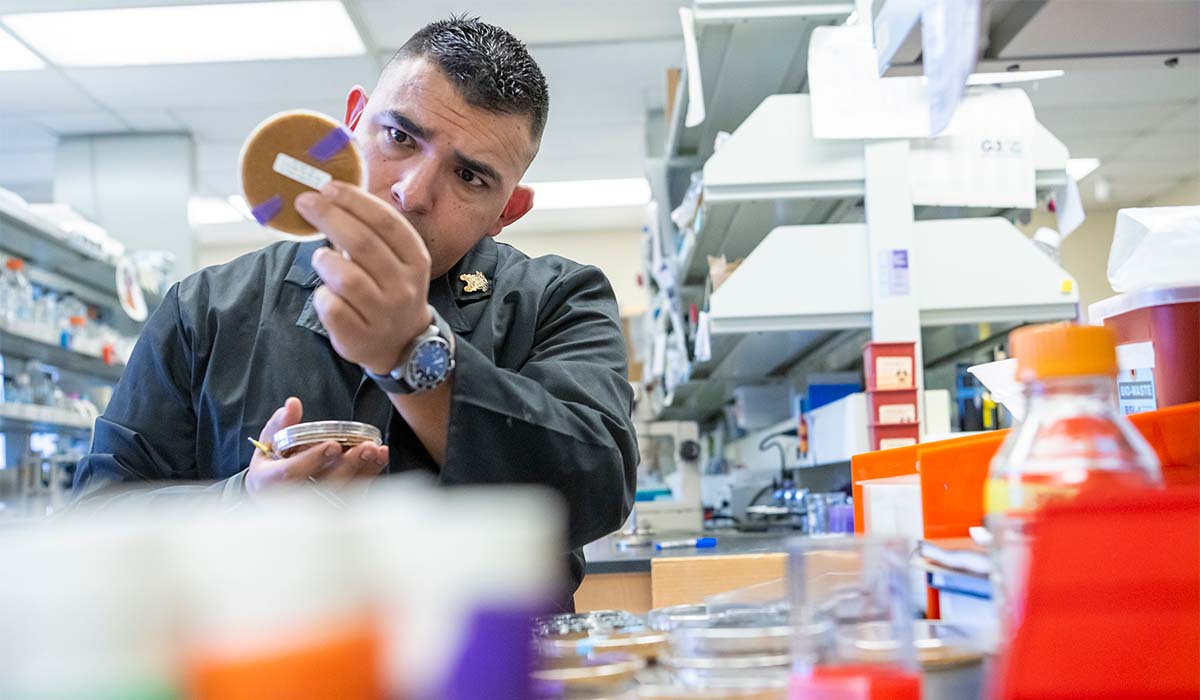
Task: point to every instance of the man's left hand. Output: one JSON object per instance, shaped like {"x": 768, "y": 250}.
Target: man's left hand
{"x": 374, "y": 300}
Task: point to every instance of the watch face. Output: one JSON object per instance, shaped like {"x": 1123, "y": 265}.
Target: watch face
{"x": 430, "y": 363}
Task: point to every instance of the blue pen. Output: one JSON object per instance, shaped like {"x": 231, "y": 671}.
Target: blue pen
{"x": 698, "y": 543}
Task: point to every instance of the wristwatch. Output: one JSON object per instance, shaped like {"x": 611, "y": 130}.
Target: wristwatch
{"x": 429, "y": 363}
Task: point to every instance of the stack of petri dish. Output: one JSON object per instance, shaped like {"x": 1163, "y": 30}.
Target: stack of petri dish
{"x": 596, "y": 677}
{"x": 601, "y": 632}
{"x": 733, "y": 654}
{"x": 297, "y": 438}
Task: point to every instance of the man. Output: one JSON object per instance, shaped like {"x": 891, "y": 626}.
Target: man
{"x": 480, "y": 365}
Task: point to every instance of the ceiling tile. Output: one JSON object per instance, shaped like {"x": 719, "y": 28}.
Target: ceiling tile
{"x": 1090, "y": 146}
{"x": 1187, "y": 121}
{"x": 1065, "y": 27}
{"x": 1092, "y": 86}
{"x": 391, "y": 23}
{"x": 72, "y": 123}
{"x": 216, "y": 85}
{"x": 1129, "y": 118}
{"x": 1165, "y": 146}
{"x": 24, "y": 92}
{"x": 226, "y": 124}
{"x": 151, "y": 120}
{"x": 1132, "y": 168}
{"x": 23, "y": 134}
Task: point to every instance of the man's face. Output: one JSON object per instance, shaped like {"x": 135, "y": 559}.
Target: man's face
{"x": 450, "y": 168}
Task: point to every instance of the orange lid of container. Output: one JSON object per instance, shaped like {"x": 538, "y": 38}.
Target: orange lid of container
{"x": 1063, "y": 350}
{"x": 15, "y": 264}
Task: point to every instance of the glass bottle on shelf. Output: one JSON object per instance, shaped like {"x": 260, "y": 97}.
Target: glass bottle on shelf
{"x": 45, "y": 316}
{"x": 16, "y": 295}
{"x": 72, "y": 314}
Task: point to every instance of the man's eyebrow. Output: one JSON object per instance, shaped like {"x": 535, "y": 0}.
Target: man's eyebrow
{"x": 479, "y": 167}
{"x": 409, "y": 126}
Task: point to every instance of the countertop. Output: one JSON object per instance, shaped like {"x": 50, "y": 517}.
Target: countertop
{"x": 605, "y": 557}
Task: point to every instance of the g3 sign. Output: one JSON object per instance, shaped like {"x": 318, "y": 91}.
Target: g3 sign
{"x": 1002, "y": 147}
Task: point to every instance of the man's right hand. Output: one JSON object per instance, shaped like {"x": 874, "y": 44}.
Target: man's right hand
{"x": 325, "y": 461}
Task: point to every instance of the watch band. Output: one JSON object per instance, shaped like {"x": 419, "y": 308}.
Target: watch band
{"x": 396, "y": 381}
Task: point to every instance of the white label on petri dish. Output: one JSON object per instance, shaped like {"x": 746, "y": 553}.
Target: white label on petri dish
{"x": 301, "y": 172}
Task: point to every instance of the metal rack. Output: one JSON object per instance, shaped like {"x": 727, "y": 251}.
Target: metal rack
{"x": 57, "y": 262}
{"x": 812, "y": 217}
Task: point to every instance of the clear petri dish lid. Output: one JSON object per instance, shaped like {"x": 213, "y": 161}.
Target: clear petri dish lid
{"x": 600, "y": 621}
{"x": 675, "y": 616}
{"x": 766, "y": 688}
{"x": 644, "y": 643}
{"x": 739, "y": 632}
{"x": 602, "y": 671}
{"x": 740, "y": 662}
{"x": 936, "y": 644}
{"x": 348, "y": 433}
{"x": 599, "y": 632}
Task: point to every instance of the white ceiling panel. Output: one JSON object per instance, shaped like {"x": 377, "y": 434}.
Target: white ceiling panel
{"x": 1067, "y": 27}
{"x": 151, "y": 120}
{"x": 225, "y": 84}
{"x": 22, "y": 134}
{"x": 1159, "y": 84}
{"x": 391, "y": 23}
{"x": 1187, "y": 121}
{"x": 217, "y": 124}
{"x": 1089, "y": 146}
{"x": 23, "y": 92}
{"x": 1136, "y": 168}
{"x": 72, "y": 123}
{"x": 1162, "y": 145}
{"x": 1112, "y": 118}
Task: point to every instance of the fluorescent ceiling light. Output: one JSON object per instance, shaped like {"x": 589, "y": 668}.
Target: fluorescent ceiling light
{"x": 190, "y": 33}
{"x": 1079, "y": 168}
{"x": 15, "y": 56}
{"x": 1012, "y": 77}
{"x": 588, "y": 194}
{"x": 209, "y": 211}
{"x": 239, "y": 203}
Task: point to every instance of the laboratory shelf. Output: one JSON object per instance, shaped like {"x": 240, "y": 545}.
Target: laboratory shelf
{"x": 22, "y": 418}
{"x": 55, "y": 262}
{"x": 772, "y": 172}
{"x": 745, "y": 50}
{"x": 18, "y": 346}
{"x": 796, "y": 300}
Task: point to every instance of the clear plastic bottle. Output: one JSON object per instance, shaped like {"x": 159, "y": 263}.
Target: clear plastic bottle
{"x": 1073, "y": 441}
{"x": 16, "y": 294}
{"x": 45, "y": 315}
{"x": 72, "y": 315}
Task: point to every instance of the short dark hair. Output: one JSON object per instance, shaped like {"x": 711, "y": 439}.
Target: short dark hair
{"x": 491, "y": 68}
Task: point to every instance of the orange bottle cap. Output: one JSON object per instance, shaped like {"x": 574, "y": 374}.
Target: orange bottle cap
{"x": 14, "y": 264}
{"x": 1063, "y": 350}
{"x": 77, "y": 321}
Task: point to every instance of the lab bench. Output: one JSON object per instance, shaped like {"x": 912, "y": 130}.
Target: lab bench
{"x": 639, "y": 579}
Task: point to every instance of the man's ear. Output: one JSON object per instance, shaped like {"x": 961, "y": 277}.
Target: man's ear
{"x": 356, "y": 102}
{"x": 519, "y": 204}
